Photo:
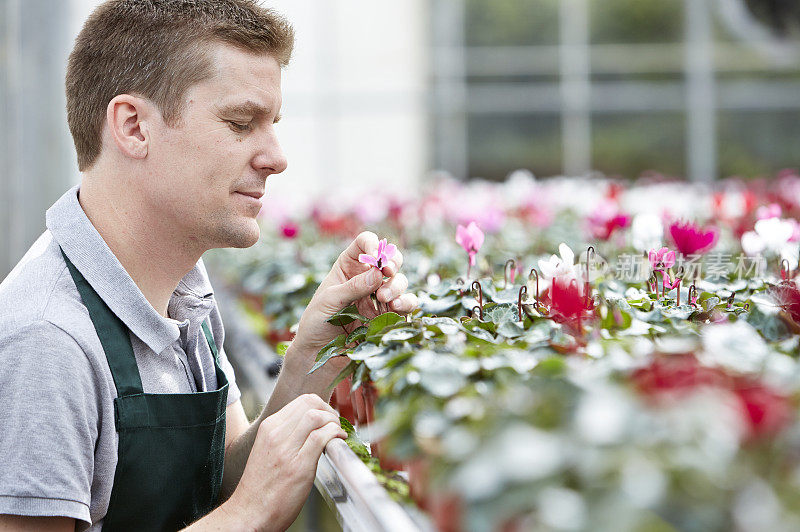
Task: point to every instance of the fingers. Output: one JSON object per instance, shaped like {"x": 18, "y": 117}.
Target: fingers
{"x": 392, "y": 288}
{"x": 362, "y": 285}
{"x": 365, "y": 242}
{"x": 394, "y": 265}
{"x": 297, "y": 406}
{"x": 404, "y": 304}
{"x": 318, "y": 439}
{"x": 310, "y": 421}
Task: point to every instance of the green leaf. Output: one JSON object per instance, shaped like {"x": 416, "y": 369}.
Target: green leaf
{"x": 366, "y": 350}
{"x": 551, "y": 367}
{"x": 510, "y": 329}
{"x": 710, "y": 303}
{"x": 437, "y": 306}
{"x": 334, "y": 348}
{"x": 282, "y": 347}
{"x": 447, "y": 326}
{"x": 379, "y": 323}
{"x": 510, "y": 295}
{"x": 357, "y": 335}
{"x": 404, "y": 334}
{"x": 353, "y": 441}
{"x": 346, "y": 372}
{"x": 346, "y": 316}
{"x": 339, "y": 341}
{"x": 502, "y": 313}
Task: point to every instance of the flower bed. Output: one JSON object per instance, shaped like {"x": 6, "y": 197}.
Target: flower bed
{"x": 645, "y": 377}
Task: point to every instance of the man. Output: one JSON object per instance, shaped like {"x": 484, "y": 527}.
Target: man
{"x": 119, "y": 406}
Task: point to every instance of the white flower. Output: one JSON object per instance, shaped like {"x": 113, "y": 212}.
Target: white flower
{"x": 770, "y": 234}
{"x": 563, "y": 266}
{"x": 647, "y": 231}
{"x": 791, "y": 253}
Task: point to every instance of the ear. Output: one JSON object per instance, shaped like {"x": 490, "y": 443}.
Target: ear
{"x": 127, "y": 120}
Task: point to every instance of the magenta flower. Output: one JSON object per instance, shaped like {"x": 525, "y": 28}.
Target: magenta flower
{"x": 606, "y": 219}
{"x": 289, "y": 229}
{"x": 689, "y": 238}
{"x": 669, "y": 285}
{"x": 385, "y": 253}
{"x": 471, "y": 239}
{"x": 661, "y": 259}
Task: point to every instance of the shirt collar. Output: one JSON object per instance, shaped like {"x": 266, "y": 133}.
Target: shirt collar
{"x": 90, "y": 254}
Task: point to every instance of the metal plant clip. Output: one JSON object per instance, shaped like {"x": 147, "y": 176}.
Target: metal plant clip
{"x": 480, "y": 312}
{"x": 587, "y": 288}
{"x": 534, "y": 274}
{"x": 679, "y": 275}
{"x": 513, "y": 265}
{"x": 653, "y": 282}
{"x": 476, "y": 285}
{"x": 460, "y": 284}
{"x": 523, "y": 291}
{"x": 785, "y": 270}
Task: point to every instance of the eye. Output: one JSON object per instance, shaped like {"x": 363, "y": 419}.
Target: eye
{"x": 237, "y": 127}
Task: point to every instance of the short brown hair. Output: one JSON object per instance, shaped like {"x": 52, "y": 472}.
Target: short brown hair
{"x": 158, "y": 49}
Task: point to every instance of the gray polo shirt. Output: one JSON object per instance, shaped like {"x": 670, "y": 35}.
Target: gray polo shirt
{"x": 58, "y": 444}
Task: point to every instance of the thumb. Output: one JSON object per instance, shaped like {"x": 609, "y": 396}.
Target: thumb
{"x": 355, "y": 288}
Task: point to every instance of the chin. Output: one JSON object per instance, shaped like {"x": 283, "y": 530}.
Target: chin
{"x": 242, "y": 235}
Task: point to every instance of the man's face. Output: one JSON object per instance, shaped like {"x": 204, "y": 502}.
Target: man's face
{"x": 209, "y": 171}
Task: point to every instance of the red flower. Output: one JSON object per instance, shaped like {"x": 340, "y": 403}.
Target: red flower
{"x": 567, "y": 301}
{"x": 674, "y": 374}
{"x": 765, "y": 411}
{"x": 689, "y": 238}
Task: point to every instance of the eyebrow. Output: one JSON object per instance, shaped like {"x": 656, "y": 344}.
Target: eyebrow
{"x": 248, "y": 108}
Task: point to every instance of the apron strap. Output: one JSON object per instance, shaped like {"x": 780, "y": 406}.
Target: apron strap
{"x": 210, "y": 340}
{"x": 113, "y": 336}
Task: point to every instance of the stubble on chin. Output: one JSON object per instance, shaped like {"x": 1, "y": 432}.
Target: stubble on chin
{"x": 237, "y": 234}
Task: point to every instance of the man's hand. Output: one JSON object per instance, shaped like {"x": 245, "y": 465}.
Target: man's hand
{"x": 282, "y": 464}
{"x": 349, "y": 281}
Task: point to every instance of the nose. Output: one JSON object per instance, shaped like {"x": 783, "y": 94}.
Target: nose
{"x": 270, "y": 158}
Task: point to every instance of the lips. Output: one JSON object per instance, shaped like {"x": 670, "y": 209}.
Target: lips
{"x": 254, "y": 194}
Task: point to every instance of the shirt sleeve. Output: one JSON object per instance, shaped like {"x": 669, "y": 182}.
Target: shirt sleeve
{"x": 48, "y": 423}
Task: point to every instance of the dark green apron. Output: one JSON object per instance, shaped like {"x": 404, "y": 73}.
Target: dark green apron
{"x": 171, "y": 446}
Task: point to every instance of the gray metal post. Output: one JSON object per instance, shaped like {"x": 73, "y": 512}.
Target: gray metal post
{"x": 36, "y": 159}
{"x": 450, "y": 89}
{"x": 575, "y": 87}
{"x": 701, "y": 131}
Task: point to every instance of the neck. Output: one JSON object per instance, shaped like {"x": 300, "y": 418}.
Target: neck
{"x": 153, "y": 252}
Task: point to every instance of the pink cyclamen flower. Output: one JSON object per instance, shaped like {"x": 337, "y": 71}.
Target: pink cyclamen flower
{"x": 773, "y": 210}
{"x": 661, "y": 259}
{"x": 606, "y": 219}
{"x": 689, "y": 238}
{"x": 471, "y": 239}
{"x": 670, "y": 285}
{"x": 385, "y": 252}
